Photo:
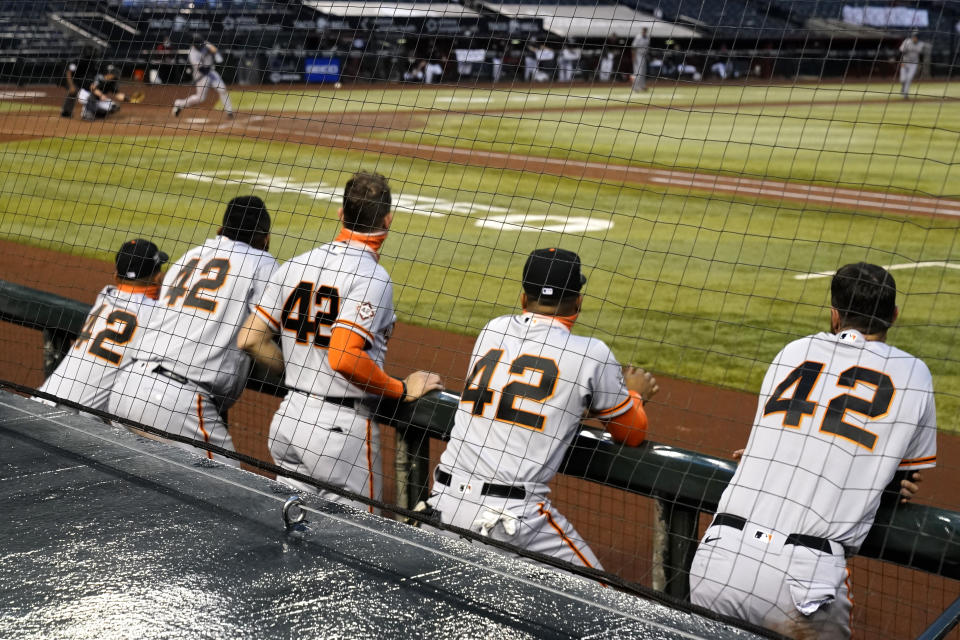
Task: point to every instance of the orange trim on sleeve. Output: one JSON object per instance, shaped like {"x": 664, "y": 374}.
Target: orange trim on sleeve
{"x": 913, "y": 462}
{"x": 614, "y": 409}
{"x": 347, "y": 357}
{"x": 263, "y": 312}
{"x": 356, "y": 327}
{"x": 629, "y": 427}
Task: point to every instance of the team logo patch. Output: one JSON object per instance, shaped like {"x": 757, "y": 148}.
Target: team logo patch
{"x": 366, "y": 311}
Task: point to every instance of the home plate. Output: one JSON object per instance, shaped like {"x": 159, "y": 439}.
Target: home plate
{"x": 196, "y": 120}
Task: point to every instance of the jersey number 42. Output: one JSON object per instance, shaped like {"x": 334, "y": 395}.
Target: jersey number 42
{"x": 479, "y": 393}
{"x": 298, "y": 315}
{"x": 805, "y": 377}
{"x": 121, "y": 325}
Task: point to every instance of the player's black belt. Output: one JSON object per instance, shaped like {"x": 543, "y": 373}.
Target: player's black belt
{"x": 343, "y": 402}
{"x": 352, "y": 403}
{"x": 798, "y": 539}
{"x": 496, "y": 490}
{"x": 166, "y": 373}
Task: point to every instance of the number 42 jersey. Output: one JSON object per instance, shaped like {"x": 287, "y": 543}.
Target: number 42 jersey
{"x": 87, "y": 372}
{"x": 206, "y": 296}
{"x": 530, "y": 384}
{"x": 337, "y": 285}
{"x": 837, "y": 416}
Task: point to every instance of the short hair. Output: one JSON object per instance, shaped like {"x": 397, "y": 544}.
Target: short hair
{"x": 865, "y": 296}
{"x": 245, "y": 217}
{"x": 366, "y": 202}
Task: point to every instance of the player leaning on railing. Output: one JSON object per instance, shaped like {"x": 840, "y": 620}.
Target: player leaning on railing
{"x": 531, "y": 381}
{"x": 333, "y": 310}
{"x": 843, "y": 420}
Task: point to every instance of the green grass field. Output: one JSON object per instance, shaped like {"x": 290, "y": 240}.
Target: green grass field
{"x": 693, "y": 284}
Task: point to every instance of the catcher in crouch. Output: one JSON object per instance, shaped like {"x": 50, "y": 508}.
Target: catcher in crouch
{"x": 100, "y": 96}
{"x": 530, "y": 383}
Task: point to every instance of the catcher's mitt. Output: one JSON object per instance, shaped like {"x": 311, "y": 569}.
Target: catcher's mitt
{"x": 136, "y": 98}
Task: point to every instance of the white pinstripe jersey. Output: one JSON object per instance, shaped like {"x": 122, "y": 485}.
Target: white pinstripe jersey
{"x": 338, "y": 284}
{"x": 837, "y": 417}
{"x": 206, "y": 296}
{"x": 87, "y": 372}
{"x": 530, "y": 382}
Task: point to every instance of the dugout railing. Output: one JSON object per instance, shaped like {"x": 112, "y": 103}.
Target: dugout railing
{"x": 683, "y": 483}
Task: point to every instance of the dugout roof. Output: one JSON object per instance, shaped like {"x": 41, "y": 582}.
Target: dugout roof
{"x": 593, "y": 21}
{"x": 109, "y": 535}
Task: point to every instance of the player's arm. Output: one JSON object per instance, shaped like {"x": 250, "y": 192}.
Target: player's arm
{"x": 630, "y": 427}
{"x": 347, "y": 357}
{"x": 256, "y": 338}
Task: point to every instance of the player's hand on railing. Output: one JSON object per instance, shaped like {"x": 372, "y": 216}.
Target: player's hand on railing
{"x": 910, "y": 486}
{"x": 420, "y": 383}
{"x": 640, "y": 381}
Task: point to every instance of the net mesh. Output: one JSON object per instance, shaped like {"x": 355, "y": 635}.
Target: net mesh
{"x": 712, "y": 163}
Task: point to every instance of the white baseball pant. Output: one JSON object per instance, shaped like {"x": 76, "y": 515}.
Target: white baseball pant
{"x": 530, "y": 523}
{"x": 907, "y": 71}
{"x": 211, "y": 80}
{"x": 328, "y": 442}
{"x": 639, "y": 72}
{"x": 143, "y": 395}
{"x": 752, "y": 575}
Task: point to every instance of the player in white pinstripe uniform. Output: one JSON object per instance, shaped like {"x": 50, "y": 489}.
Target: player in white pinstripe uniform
{"x": 843, "y": 420}
{"x": 187, "y": 370}
{"x": 87, "y": 372}
{"x": 531, "y": 381}
{"x": 333, "y": 310}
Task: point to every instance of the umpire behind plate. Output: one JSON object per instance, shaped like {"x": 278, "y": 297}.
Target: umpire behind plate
{"x": 844, "y": 420}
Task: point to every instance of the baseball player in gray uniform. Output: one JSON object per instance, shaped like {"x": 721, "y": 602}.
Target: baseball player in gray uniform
{"x": 203, "y": 56}
{"x": 843, "y": 421}
{"x": 333, "y": 310}
{"x": 530, "y": 383}
{"x": 641, "y": 48}
{"x": 187, "y": 369}
{"x": 87, "y": 372}
{"x": 910, "y": 51}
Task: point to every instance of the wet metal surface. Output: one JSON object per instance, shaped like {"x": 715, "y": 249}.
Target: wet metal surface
{"x": 104, "y": 534}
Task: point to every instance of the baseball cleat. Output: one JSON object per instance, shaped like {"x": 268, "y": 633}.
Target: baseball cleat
{"x": 176, "y": 111}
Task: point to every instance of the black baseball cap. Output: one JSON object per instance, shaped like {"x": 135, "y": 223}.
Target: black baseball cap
{"x": 553, "y": 274}
{"x": 139, "y": 259}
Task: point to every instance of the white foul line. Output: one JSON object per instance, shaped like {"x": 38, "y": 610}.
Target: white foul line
{"x": 890, "y": 267}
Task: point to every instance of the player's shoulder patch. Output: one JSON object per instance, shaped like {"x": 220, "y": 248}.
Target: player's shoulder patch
{"x": 366, "y": 310}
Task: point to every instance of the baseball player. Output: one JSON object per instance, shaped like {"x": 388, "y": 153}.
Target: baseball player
{"x": 203, "y": 56}
{"x": 843, "y": 421}
{"x": 100, "y": 96}
{"x": 89, "y": 369}
{"x": 333, "y": 310}
{"x": 530, "y": 383}
{"x": 910, "y": 50}
{"x": 641, "y": 48}
{"x": 187, "y": 369}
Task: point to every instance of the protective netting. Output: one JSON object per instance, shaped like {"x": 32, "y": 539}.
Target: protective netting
{"x": 712, "y": 164}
